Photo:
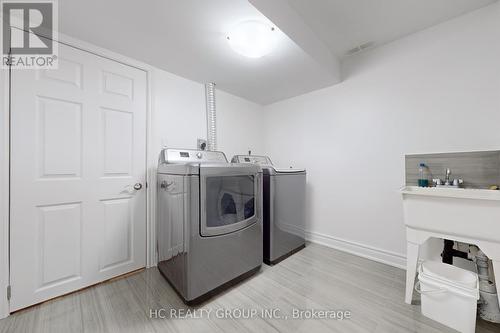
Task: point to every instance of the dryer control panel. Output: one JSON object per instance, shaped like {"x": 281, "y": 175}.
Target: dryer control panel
{"x": 191, "y": 155}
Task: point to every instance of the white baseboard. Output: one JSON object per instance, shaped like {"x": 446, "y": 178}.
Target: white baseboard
{"x": 365, "y": 251}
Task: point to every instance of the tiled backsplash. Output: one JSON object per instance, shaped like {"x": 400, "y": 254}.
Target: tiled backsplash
{"x": 477, "y": 169}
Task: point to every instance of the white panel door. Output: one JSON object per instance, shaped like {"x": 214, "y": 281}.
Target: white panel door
{"x": 78, "y": 147}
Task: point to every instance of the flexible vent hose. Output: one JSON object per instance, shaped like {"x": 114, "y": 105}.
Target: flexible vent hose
{"x": 211, "y": 116}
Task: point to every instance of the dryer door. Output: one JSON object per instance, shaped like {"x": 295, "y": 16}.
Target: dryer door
{"x": 230, "y": 198}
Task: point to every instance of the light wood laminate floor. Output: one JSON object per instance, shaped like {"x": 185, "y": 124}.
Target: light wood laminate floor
{"x": 315, "y": 278}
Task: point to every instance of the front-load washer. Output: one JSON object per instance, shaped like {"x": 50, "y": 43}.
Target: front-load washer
{"x": 209, "y": 227}
{"x": 284, "y": 199}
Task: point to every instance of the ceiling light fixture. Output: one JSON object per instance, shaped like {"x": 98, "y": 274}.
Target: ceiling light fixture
{"x": 252, "y": 39}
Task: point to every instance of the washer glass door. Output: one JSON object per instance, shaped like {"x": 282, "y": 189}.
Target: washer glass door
{"x": 229, "y": 199}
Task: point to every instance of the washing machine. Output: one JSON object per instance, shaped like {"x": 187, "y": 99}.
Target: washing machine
{"x": 209, "y": 226}
{"x": 284, "y": 199}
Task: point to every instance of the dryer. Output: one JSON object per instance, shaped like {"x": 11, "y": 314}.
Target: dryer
{"x": 284, "y": 200}
{"x": 209, "y": 227}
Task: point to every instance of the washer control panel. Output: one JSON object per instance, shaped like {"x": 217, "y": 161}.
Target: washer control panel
{"x": 255, "y": 159}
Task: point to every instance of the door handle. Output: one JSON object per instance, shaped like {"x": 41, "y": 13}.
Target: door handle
{"x": 137, "y": 186}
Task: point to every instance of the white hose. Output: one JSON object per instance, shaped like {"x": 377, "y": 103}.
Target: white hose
{"x": 211, "y": 117}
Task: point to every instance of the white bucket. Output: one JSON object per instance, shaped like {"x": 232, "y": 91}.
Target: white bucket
{"x": 449, "y": 295}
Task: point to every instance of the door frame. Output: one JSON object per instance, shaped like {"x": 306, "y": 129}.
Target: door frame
{"x": 150, "y": 163}
{"x": 4, "y": 190}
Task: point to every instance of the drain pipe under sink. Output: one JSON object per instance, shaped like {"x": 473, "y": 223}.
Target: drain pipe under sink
{"x": 488, "y": 307}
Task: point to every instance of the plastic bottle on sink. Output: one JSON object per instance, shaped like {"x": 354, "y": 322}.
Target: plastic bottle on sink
{"x": 423, "y": 180}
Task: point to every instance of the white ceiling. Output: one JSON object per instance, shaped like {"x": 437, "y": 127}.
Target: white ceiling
{"x": 346, "y": 24}
{"x": 187, "y": 37}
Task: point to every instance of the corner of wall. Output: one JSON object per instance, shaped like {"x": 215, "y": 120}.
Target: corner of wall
{"x": 368, "y": 252}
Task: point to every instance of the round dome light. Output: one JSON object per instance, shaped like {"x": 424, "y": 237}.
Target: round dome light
{"x": 252, "y": 39}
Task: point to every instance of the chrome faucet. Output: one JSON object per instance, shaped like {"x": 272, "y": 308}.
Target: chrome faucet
{"x": 447, "y": 179}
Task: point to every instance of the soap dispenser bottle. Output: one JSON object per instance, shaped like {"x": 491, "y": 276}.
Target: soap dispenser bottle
{"x": 423, "y": 179}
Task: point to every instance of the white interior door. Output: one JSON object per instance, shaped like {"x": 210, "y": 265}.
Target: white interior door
{"x": 78, "y": 147}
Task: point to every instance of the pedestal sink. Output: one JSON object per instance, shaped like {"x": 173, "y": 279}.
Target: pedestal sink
{"x": 467, "y": 215}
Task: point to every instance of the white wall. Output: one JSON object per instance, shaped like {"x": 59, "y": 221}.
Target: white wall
{"x": 179, "y": 116}
{"x": 239, "y": 125}
{"x": 434, "y": 91}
